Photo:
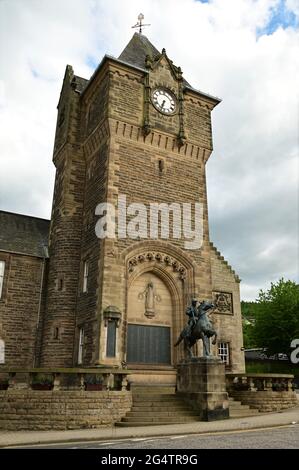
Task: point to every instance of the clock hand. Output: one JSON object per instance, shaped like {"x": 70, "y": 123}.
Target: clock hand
{"x": 163, "y": 104}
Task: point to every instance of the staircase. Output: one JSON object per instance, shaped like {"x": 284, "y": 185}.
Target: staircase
{"x": 237, "y": 410}
{"x": 157, "y": 404}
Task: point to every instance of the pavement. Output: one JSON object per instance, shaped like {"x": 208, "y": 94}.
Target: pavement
{"x": 262, "y": 421}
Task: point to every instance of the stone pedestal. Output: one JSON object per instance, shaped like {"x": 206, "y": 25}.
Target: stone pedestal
{"x": 201, "y": 382}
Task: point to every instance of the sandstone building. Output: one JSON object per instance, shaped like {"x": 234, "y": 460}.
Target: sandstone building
{"x": 137, "y": 129}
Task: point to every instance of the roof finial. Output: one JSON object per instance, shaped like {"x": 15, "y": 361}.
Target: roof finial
{"x": 139, "y": 23}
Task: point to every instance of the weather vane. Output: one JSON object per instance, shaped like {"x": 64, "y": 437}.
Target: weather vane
{"x": 139, "y": 23}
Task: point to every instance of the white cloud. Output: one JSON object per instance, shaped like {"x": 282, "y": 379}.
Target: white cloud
{"x": 252, "y": 172}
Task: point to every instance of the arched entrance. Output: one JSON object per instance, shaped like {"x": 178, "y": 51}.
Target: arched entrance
{"x": 149, "y": 320}
{"x": 159, "y": 285}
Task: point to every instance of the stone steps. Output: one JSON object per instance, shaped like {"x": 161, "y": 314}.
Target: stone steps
{"x": 156, "y": 405}
{"x": 242, "y": 413}
{"x": 147, "y": 408}
{"x": 153, "y": 389}
{"x": 162, "y": 414}
{"x": 154, "y": 397}
{"x": 238, "y": 410}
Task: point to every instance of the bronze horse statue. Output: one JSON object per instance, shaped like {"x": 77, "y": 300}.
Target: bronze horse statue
{"x": 202, "y": 329}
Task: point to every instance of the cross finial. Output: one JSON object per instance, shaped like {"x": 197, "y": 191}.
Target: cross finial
{"x": 139, "y": 23}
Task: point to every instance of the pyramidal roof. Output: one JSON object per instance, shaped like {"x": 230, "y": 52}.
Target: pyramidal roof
{"x": 134, "y": 55}
{"x": 137, "y": 49}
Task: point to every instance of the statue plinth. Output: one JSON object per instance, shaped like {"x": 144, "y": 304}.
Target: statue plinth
{"x": 201, "y": 383}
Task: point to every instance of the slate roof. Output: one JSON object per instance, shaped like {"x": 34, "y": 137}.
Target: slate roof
{"x": 24, "y": 234}
{"x": 81, "y": 83}
{"x": 134, "y": 55}
{"x": 137, "y": 49}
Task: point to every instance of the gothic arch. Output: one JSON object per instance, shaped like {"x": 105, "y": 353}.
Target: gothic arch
{"x": 158, "y": 246}
{"x": 172, "y": 266}
{"x": 163, "y": 255}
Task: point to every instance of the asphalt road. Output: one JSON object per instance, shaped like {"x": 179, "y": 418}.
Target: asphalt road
{"x": 286, "y": 437}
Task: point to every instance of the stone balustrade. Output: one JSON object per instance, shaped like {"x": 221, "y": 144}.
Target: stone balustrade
{"x": 259, "y": 382}
{"x": 65, "y": 379}
{"x": 265, "y": 392}
{"x": 41, "y": 399}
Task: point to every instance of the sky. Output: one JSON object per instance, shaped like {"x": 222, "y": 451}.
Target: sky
{"x": 244, "y": 51}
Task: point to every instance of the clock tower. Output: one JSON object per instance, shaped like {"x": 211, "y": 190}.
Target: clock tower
{"x": 135, "y": 134}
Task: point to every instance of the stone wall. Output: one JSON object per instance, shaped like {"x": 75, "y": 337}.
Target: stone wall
{"x": 44, "y": 410}
{"x": 266, "y": 401}
{"x": 91, "y": 252}
{"x": 19, "y": 308}
{"x": 59, "y": 320}
{"x": 228, "y": 323}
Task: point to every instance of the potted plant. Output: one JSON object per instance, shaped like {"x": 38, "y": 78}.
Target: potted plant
{"x": 94, "y": 382}
{"x": 42, "y": 382}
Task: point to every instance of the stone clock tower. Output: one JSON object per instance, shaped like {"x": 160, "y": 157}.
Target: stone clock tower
{"x": 137, "y": 132}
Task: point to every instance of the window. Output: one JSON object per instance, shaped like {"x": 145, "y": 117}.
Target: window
{"x": 81, "y": 346}
{"x": 85, "y": 276}
{"x": 2, "y": 268}
{"x": 2, "y": 352}
{"x": 56, "y": 333}
{"x": 223, "y": 352}
{"x": 111, "y": 339}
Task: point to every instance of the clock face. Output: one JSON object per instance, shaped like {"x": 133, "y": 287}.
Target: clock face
{"x": 164, "y": 101}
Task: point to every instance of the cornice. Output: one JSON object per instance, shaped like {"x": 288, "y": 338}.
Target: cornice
{"x": 158, "y": 139}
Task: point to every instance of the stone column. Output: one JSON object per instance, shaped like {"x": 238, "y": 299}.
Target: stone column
{"x": 201, "y": 383}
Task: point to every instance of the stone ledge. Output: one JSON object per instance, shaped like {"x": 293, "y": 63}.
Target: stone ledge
{"x": 40, "y": 410}
{"x": 266, "y": 401}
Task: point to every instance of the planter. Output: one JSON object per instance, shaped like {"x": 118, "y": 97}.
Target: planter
{"x": 94, "y": 387}
{"x": 41, "y": 386}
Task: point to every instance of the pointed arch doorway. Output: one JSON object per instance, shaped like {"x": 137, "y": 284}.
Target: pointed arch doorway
{"x": 151, "y": 320}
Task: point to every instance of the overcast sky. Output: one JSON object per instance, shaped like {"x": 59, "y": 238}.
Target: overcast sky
{"x": 243, "y": 51}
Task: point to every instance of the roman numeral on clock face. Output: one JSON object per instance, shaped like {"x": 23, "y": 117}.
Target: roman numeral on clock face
{"x": 164, "y": 101}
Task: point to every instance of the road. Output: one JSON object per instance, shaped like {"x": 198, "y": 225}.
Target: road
{"x": 285, "y": 437}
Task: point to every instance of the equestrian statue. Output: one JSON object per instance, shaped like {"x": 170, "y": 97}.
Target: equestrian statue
{"x": 199, "y": 327}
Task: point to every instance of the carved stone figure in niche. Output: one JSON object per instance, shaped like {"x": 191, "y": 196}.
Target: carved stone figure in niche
{"x": 150, "y": 296}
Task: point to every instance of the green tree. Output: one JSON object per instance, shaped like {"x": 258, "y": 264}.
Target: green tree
{"x": 277, "y": 317}
{"x": 249, "y": 311}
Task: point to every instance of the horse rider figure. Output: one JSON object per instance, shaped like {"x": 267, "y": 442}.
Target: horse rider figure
{"x": 192, "y": 313}
{"x": 199, "y": 327}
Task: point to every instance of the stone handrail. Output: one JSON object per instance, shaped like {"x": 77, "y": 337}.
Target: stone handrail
{"x": 65, "y": 379}
{"x": 259, "y": 382}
